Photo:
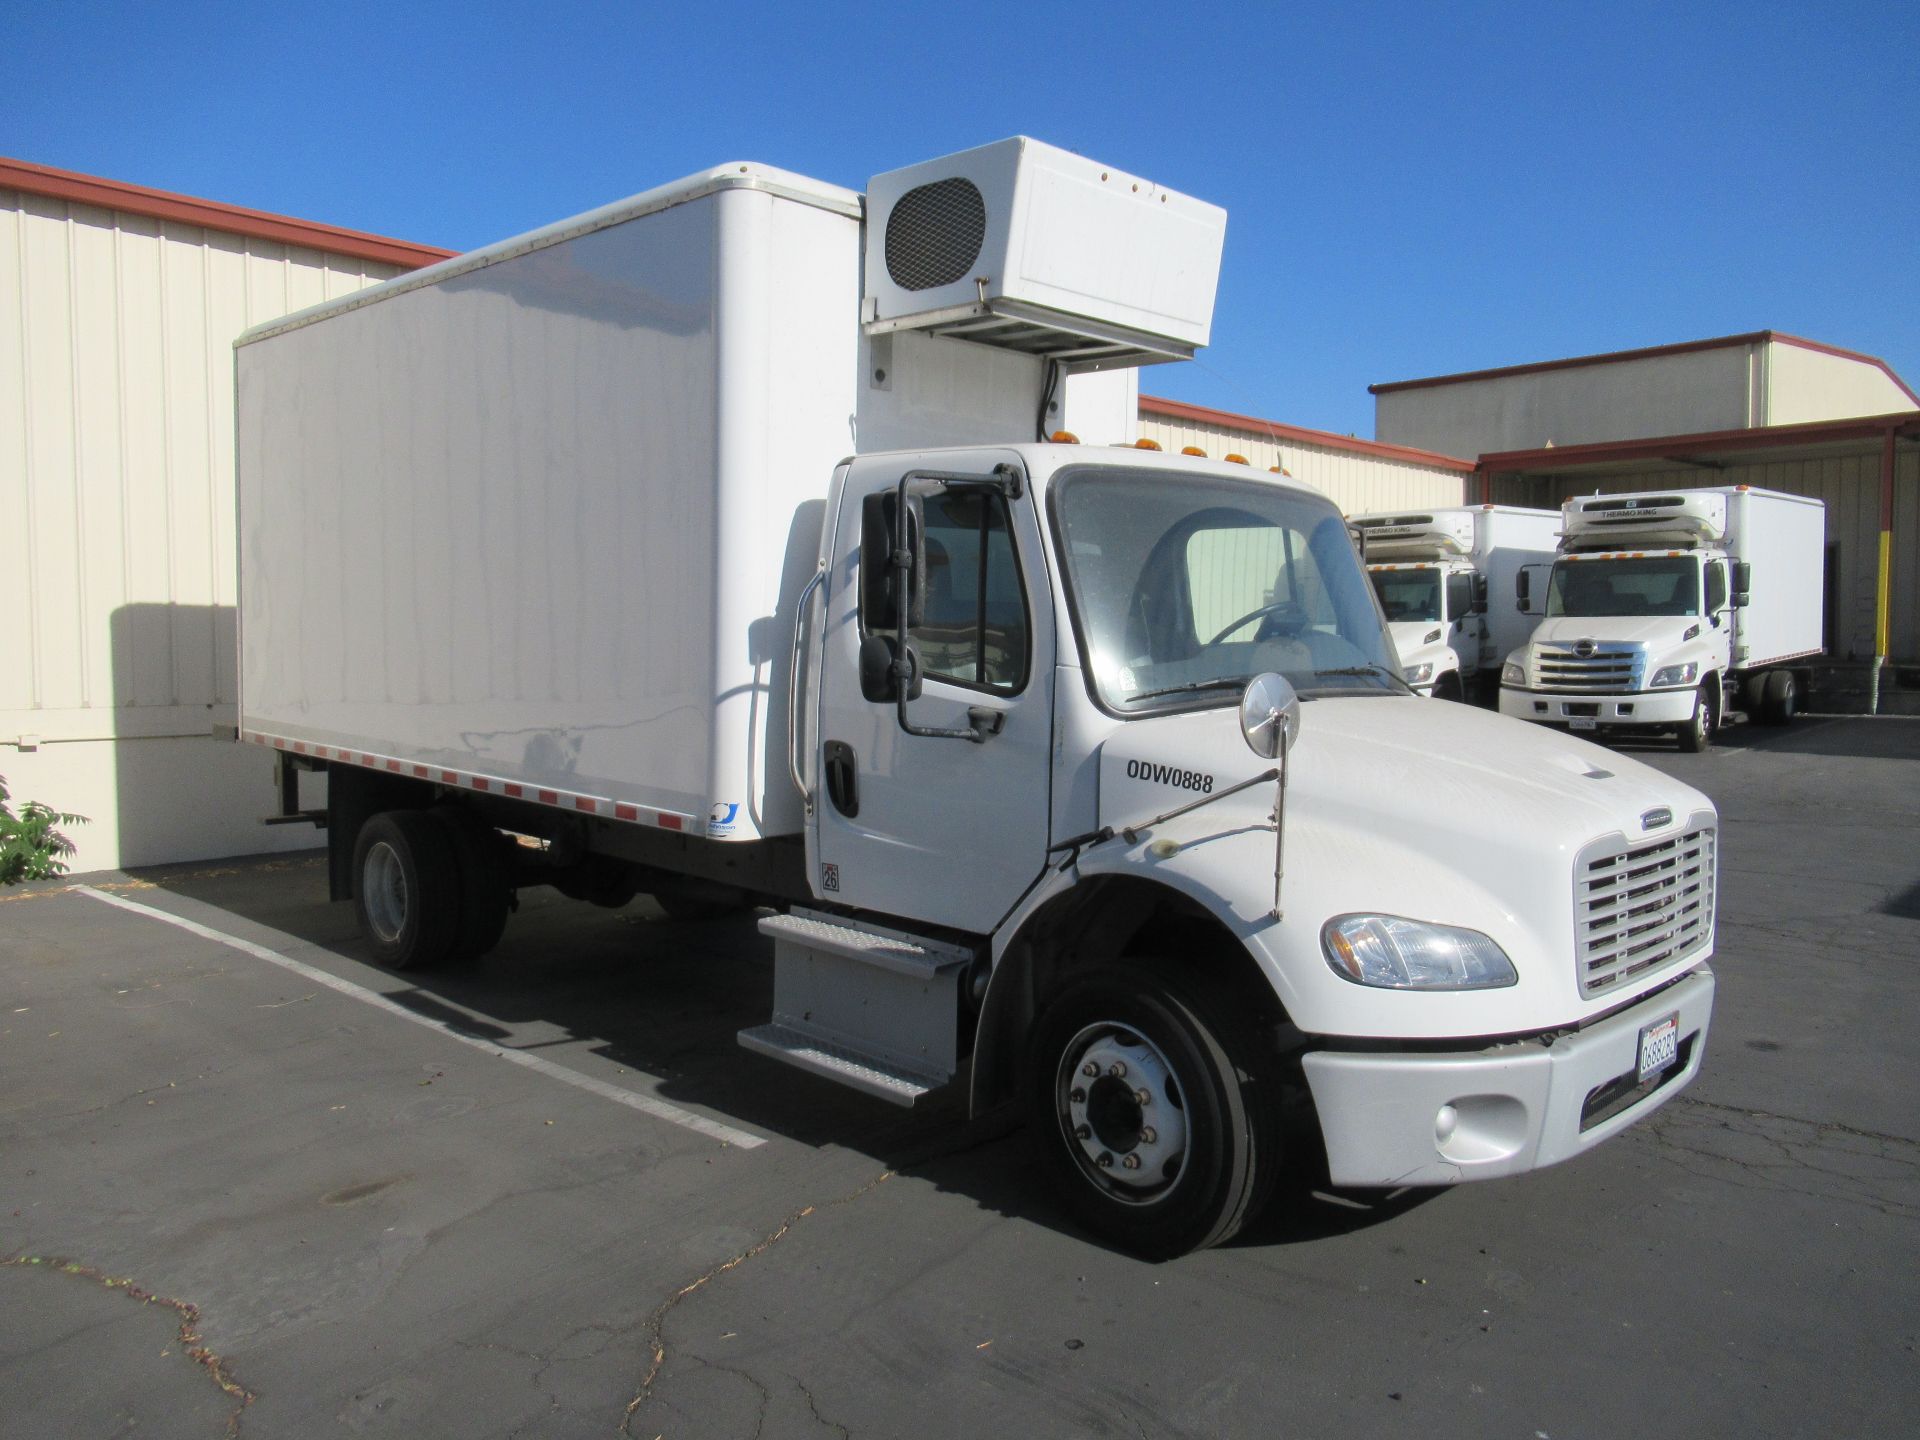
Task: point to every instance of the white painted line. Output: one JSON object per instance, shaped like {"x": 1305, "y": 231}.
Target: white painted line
{"x": 646, "y": 1104}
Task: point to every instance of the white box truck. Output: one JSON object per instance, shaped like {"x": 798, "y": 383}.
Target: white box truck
{"x": 1672, "y": 610}
{"x": 1445, "y": 579}
{"x": 678, "y": 548}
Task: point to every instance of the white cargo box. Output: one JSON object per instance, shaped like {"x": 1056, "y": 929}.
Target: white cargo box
{"x": 1027, "y": 247}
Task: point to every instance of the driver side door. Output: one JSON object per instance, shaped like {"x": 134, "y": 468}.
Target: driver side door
{"x": 935, "y": 829}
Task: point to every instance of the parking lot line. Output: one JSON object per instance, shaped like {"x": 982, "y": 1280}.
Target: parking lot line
{"x": 646, "y": 1104}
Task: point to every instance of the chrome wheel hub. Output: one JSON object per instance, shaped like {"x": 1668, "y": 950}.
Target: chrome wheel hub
{"x": 383, "y": 887}
{"x": 1122, "y": 1111}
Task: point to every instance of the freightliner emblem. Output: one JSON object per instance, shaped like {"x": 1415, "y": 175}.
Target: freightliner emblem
{"x": 1654, "y": 819}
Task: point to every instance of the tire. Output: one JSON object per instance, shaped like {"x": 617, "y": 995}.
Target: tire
{"x": 1209, "y": 1162}
{"x": 406, "y": 892}
{"x": 1697, "y": 733}
{"x": 1781, "y": 698}
{"x": 486, "y": 886}
{"x": 1448, "y": 687}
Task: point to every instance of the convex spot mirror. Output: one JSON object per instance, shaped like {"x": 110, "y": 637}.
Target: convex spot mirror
{"x": 1269, "y": 715}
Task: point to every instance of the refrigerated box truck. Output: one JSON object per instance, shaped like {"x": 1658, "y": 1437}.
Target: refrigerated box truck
{"x": 1445, "y": 579}
{"x": 1673, "y": 610}
{"x": 702, "y": 546}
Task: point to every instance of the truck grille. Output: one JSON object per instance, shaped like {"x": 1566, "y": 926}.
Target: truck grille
{"x": 1639, "y": 906}
{"x": 1607, "y": 668}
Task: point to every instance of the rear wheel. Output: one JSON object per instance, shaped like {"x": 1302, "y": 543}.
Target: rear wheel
{"x": 406, "y": 888}
{"x": 485, "y": 880}
{"x": 1780, "y": 698}
{"x": 1697, "y": 733}
{"x": 1146, "y": 1113}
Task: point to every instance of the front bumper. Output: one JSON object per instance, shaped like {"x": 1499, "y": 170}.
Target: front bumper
{"x": 1637, "y": 707}
{"x": 1437, "y": 1119}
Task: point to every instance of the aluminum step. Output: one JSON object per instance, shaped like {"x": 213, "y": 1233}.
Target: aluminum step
{"x": 847, "y": 1067}
{"x": 895, "y": 950}
{"x": 872, "y": 1008}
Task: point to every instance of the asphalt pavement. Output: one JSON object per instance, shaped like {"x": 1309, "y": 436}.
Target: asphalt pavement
{"x": 252, "y": 1184}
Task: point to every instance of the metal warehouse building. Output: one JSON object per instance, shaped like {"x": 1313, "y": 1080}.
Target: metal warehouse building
{"x": 119, "y": 306}
{"x": 118, "y": 311}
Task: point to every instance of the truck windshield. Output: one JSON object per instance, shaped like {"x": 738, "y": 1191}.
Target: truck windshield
{"x": 1408, "y": 594}
{"x": 1185, "y": 588}
{"x": 1667, "y": 585}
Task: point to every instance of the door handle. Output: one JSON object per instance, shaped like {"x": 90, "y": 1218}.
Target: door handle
{"x": 843, "y": 779}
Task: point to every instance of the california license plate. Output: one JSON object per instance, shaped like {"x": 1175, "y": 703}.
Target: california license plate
{"x": 1659, "y": 1045}
{"x": 1582, "y": 722}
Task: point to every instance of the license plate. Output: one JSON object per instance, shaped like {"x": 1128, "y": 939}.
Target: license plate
{"x": 1582, "y": 722}
{"x": 1659, "y": 1045}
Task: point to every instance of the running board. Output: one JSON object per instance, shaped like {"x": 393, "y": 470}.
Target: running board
{"x": 870, "y": 1008}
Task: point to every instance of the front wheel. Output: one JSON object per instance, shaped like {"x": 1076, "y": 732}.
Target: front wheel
{"x": 1697, "y": 733}
{"x": 406, "y": 888}
{"x": 1147, "y": 1115}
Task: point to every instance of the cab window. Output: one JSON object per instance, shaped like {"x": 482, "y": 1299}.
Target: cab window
{"x": 975, "y": 632}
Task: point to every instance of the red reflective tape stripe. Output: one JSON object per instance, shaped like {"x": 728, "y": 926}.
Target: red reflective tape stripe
{"x": 546, "y": 797}
{"x": 369, "y": 760}
{"x": 625, "y": 812}
{"x": 584, "y": 802}
{"x": 670, "y": 822}
{"x": 422, "y": 772}
{"x": 393, "y": 765}
{"x": 512, "y": 789}
{"x": 299, "y": 747}
{"x": 477, "y": 783}
{"x": 448, "y": 777}
{"x": 279, "y": 744}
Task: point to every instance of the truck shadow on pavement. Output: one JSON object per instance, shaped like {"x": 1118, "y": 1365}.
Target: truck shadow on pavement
{"x": 1854, "y": 737}
{"x": 664, "y": 1000}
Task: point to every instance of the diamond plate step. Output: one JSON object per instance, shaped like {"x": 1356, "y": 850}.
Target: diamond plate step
{"x": 904, "y": 954}
{"x": 833, "y": 1062}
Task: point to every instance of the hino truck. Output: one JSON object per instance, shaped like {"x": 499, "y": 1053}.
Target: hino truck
{"x": 1445, "y": 579}
{"x": 704, "y": 546}
{"x": 1673, "y": 611}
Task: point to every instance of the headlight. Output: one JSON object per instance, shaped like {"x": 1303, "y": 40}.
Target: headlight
{"x": 1674, "y": 675}
{"x": 1419, "y": 674}
{"x": 1397, "y": 954}
{"x": 1514, "y": 673}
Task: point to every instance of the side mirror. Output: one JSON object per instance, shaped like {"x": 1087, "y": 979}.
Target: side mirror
{"x": 1269, "y": 715}
{"x": 1522, "y": 590}
{"x": 879, "y": 606}
{"x": 1742, "y": 582}
{"x": 1359, "y": 538}
{"x": 1479, "y": 594}
{"x": 877, "y": 682}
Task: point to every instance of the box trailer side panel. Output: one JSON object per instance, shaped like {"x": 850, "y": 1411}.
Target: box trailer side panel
{"x": 1783, "y": 537}
{"x": 1509, "y": 537}
{"x": 533, "y": 520}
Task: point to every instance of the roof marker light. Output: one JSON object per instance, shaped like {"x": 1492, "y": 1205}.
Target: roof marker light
{"x": 1193, "y": 450}
{"x": 1064, "y": 437}
{"x": 1143, "y": 443}
{"x": 1233, "y": 459}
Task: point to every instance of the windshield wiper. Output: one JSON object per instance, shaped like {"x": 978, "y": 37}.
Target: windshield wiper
{"x": 1224, "y": 682}
{"x": 1369, "y": 668}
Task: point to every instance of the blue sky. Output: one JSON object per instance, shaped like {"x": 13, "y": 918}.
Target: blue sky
{"x": 1411, "y": 190}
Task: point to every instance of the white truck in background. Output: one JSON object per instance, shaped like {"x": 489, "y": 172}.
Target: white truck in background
{"x": 1672, "y": 610}
{"x": 1445, "y": 579}
{"x": 702, "y": 546}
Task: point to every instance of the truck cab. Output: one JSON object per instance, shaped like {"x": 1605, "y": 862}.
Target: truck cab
{"x": 1436, "y": 615}
{"x": 1109, "y": 752}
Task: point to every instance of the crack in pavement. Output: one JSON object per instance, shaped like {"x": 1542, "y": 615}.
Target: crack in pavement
{"x": 813, "y": 1409}
{"x": 1834, "y": 1125}
{"x": 1752, "y": 1149}
{"x": 656, "y": 1322}
{"x": 189, "y": 1336}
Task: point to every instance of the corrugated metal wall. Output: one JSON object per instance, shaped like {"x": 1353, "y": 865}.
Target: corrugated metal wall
{"x": 1356, "y": 483}
{"x": 1850, "y": 486}
{"x": 116, "y": 457}
{"x": 116, "y": 486}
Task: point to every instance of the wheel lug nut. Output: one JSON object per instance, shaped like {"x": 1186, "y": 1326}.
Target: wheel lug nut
{"x": 1089, "y": 1069}
{"x": 1077, "y": 1095}
{"x": 1119, "y": 1070}
{"x": 1105, "y": 1160}
{"x": 1148, "y": 1136}
{"x": 1130, "y": 1162}
{"x": 1083, "y": 1132}
{"x": 1143, "y": 1096}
